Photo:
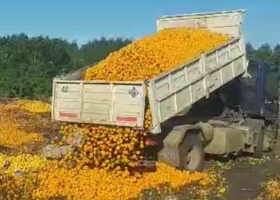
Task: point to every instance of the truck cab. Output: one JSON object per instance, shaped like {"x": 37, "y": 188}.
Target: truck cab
{"x": 249, "y": 121}
{"x": 259, "y": 90}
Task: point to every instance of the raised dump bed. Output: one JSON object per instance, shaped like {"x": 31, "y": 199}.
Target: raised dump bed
{"x": 123, "y": 103}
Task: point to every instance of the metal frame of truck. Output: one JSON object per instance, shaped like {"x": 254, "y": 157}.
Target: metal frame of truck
{"x": 187, "y": 84}
{"x": 169, "y": 94}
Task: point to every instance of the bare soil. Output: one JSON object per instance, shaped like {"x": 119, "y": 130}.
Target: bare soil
{"x": 245, "y": 180}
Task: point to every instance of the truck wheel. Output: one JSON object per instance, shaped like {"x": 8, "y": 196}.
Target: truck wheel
{"x": 191, "y": 153}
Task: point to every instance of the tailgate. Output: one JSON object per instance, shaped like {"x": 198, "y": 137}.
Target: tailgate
{"x": 225, "y": 22}
{"x": 98, "y": 102}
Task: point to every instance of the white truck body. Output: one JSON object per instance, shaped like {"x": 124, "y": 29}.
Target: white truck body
{"x": 123, "y": 103}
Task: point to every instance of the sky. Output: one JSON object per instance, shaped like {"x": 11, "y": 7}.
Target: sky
{"x": 84, "y": 20}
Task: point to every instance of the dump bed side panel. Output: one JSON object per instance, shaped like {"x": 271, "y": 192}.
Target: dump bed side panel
{"x": 225, "y": 22}
{"x": 177, "y": 90}
{"x": 99, "y": 102}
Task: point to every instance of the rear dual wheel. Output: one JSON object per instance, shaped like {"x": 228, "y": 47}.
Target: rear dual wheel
{"x": 191, "y": 153}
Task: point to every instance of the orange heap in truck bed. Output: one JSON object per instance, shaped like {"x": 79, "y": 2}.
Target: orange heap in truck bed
{"x": 110, "y": 147}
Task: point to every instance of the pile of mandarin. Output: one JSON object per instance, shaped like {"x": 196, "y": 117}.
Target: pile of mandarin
{"x": 21, "y": 123}
{"x": 103, "y": 147}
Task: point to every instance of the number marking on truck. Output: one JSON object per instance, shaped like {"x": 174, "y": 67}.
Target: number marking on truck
{"x": 64, "y": 89}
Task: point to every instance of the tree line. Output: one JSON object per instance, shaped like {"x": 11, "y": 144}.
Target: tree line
{"x": 28, "y": 64}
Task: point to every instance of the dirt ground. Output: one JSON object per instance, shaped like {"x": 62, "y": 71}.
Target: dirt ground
{"x": 245, "y": 179}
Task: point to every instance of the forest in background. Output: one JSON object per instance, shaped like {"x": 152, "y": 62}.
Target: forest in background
{"x": 28, "y": 64}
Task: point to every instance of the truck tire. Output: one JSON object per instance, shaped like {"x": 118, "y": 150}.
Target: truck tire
{"x": 191, "y": 153}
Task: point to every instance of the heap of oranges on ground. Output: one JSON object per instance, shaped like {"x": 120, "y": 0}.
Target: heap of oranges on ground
{"x": 18, "y": 124}
{"x": 102, "y": 162}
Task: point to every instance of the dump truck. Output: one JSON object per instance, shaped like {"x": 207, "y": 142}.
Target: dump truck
{"x": 219, "y": 103}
